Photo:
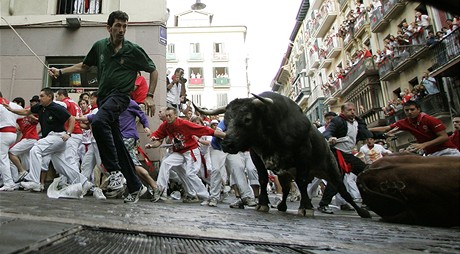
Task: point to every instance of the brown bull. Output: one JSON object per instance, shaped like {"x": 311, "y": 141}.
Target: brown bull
{"x": 413, "y": 189}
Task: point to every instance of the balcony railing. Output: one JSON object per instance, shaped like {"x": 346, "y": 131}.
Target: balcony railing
{"x": 404, "y": 56}
{"x": 333, "y": 47}
{"x": 195, "y": 57}
{"x": 348, "y": 38}
{"x": 314, "y": 59}
{"x": 342, "y": 4}
{"x": 398, "y": 115}
{"x": 386, "y": 69}
{"x": 221, "y": 82}
{"x": 220, "y": 56}
{"x": 380, "y": 17}
{"x": 446, "y": 50}
{"x": 196, "y": 81}
{"x": 328, "y": 13}
{"x": 376, "y": 20}
{"x": 365, "y": 66}
{"x": 435, "y": 105}
{"x": 360, "y": 24}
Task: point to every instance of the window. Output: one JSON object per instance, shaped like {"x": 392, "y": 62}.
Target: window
{"x": 218, "y": 48}
{"x": 222, "y": 99}
{"x": 79, "y": 6}
{"x": 196, "y": 98}
{"x": 194, "y": 48}
{"x": 221, "y": 76}
{"x": 196, "y": 76}
{"x": 75, "y": 82}
{"x": 171, "y": 48}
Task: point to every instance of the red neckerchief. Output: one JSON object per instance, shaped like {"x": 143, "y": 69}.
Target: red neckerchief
{"x": 346, "y": 119}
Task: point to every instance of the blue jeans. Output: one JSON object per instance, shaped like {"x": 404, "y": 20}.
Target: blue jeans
{"x": 106, "y": 131}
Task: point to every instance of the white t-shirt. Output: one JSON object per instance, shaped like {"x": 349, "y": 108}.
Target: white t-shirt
{"x": 371, "y": 155}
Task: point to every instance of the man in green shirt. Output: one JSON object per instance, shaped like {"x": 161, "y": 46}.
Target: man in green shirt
{"x": 118, "y": 62}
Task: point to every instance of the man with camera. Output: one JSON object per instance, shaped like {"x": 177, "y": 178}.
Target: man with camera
{"x": 176, "y": 92}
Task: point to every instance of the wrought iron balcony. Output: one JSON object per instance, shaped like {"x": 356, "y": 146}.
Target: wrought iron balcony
{"x": 386, "y": 69}
{"x": 364, "y": 68}
{"x": 447, "y": 50}
{"x": 333, "y": 47}
{"x": 381, "y": 17}
{"x": 435, "y": 105}
{"x": 360, "y": 24}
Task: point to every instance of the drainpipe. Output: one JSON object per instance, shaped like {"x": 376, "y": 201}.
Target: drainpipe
{"x": 11, "y": 8}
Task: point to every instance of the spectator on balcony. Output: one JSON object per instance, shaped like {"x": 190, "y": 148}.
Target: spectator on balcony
{"x": 455, "y": 137}
{"x": 424, "y": 21}
{"x": 429, "y": 83}
{"x": 360, "y": 8}
{"x": 366, "y": 52}
{"x": 451, "y": 25}
{"x": 419, "y": 91}
{"x": 431, "y": 39}
{"x": 429, "y": 132}
{"x": 377, "y": 4}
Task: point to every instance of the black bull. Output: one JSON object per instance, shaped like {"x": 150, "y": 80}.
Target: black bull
{"x": 282, "y": 139}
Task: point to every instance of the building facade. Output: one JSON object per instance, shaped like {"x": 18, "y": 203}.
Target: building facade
{"x": 369, "y": 53}
{"x": 214, "y": 58}
{"x": 61, "y": 32}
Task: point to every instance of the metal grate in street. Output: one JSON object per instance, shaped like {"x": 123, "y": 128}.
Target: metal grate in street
{"x": 111, "y": 242}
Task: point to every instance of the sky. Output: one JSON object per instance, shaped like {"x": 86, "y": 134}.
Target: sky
{"x": 269, "y": 24}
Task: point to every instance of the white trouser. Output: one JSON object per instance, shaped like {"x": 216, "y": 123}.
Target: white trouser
{"x": 53, "y": 147}
{"x": 191, "y": 168}
{"x": 251, "y": 169}
{"x": 6, "y": 140}
{"x": 71, "y": 150}
{"x": 218, "y": 164}
{"x": 90, "y": 160}
{"x": 237, "y": 175}
{"x": 206, "y": 176}
{"x": 349, "y": 180}
{"x": 312, "y": 187}
{"x": 22, "y": 149}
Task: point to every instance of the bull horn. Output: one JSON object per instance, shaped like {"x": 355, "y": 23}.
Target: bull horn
{"x": 262, "y": 99}
{"x": 211, "y": 112}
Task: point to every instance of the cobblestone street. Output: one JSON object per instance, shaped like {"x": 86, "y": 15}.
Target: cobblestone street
{"x": 31, "y": 220}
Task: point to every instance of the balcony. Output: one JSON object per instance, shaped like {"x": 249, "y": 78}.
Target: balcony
{"x": 363, "y": 69}
{"x": 398, "y": 115}
{"x": 332, "y": 91}
{"x": 328, "y": 14}
{"x": 220, "y": 57}
{"x": 171, "y": 57}
{"x": 314, "y": 59}
{"x": 343, "y": 4}
{"x": 374, "y": 117}
{"x": 195, "y": 83}
{"x": 405, "y": 56}
{"x": 378, "y": 23}
{"x": 386, "y": 70}
{"x": 221, "y": 82}
{"x": 195, "y": 57}
{"x": 348, "y": 39}
{"x": 361, "y": 23}
{"x": 324, "y": 61}
{"x": 333, "y": 47}
{"x": 446, "y": 52}
{"x": 435, "y": 105}
{"x": 302, "y": 97}
{"x": 389, "y": 10}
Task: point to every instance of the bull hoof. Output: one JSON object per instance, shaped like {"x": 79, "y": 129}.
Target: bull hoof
{"x": 364, "y": 213}
{"x": 306, "y": 212}
{"x": 282, "y": 207}
{"x": 262, "y": 208}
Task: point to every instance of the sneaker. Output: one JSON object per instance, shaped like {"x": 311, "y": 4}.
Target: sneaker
{"x": 116, "y": 180}
{"x": 134, "y": 197}
{"x": 189, "y": 199}
{"x": 9, "y": 188}
{"x": 276, "y": 202}
{"x": 325, "y": 209}
{"x": 33, "y": 186}
{"x": 237, "y": 204}
{"x": 86, "y": 187}
{"x": 97, "y": 193}
{"x": 249, "y": 202}
{"x": 156, "y": 195}
{"x": 346, "y": 207}
{"x": 213, "y": 202}
{"x": 205, "y": 203}
{"x": 21, "y": 176}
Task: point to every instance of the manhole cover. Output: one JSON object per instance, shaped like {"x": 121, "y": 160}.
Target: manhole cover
{"x": 99, "y": 241}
